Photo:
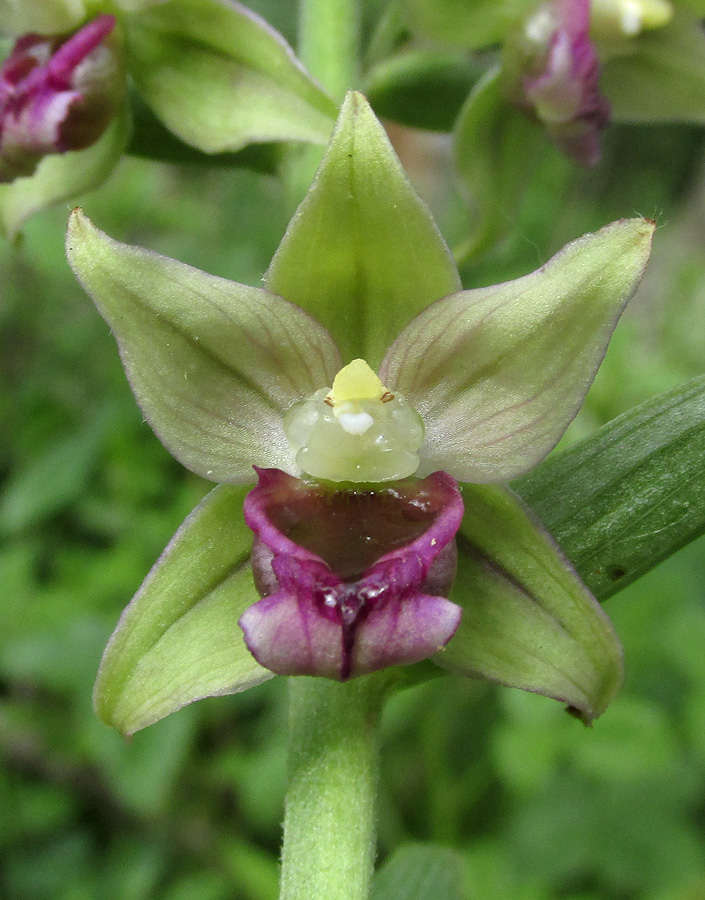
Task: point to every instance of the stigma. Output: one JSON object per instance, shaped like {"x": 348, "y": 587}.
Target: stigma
{"x": 356, "y": 430}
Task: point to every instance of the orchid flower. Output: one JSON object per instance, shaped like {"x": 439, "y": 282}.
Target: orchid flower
{"x": 363, "y": 383}
{"x": 565, "y": 69}
{"x": 574, "y": 65}
{"x": 211, "y": 71}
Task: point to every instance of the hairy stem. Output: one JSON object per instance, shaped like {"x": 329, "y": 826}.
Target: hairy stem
{"x": 329, "y": 32}
{"x": 328, "y": 43}
{"x": 330, "y": 819}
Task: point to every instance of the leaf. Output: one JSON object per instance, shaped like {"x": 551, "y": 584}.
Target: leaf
{"x": 178, "y": 640}
{"x": 221, "y": 78}
{"x": 628, "y": 496}
{"x": 497, "y": 373}
{"x": 420, "y": 872}
{"x": 528, "y": 621}
{"x": 496, "y": 149}
{"x": 663, "y": 78}
{"x": 213, "y": 364}
{"x": 362, "y": 254}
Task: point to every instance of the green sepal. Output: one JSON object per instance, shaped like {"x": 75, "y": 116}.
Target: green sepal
{"x": 466, "y": 23}
{"x": 662, "y": 77}
{"x": 528, "y": 621}
{"x": 151, "y": 139}
{"x": 630, "y": 495}
{"x": 362, "y": 253}
{"x": 420, "y": 872}
{"x": 498, "y": 373}
{"x": 19, "y": 17}
{"x": 221, "y": 78}
{"x": 62, "y": 176}
{"x": 213, "y": 364}
{"x": 696, "y": 6}
{"x": 178, "y": 640}
{"x": 423, "y": 88}
{"x": 496, "y": 149}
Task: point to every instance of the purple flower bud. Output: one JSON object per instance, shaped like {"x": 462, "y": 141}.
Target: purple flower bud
{"x": 353, "y": 581}
{"x": 560, "y": 78}
{"x": 56, "y": 94}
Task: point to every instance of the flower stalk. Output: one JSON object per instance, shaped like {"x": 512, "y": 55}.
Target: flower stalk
{"x": 330, "y": 818}
{"x": 328, "y": 43}
{"x": 328, "y": 46}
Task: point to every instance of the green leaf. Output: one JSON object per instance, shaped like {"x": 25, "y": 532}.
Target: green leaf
{"x": 498, "y": 373}
{"x": 420, "y": 872}
{"x": 625, "y": 498}
{"x": 662, "y": 79}
{"x": 62, "y": 176}
{"x": 178, "y": 640}
{"x": 221, "y": 78}
{"x": 423, "y": 88}
{"x": 496, "y": 149}
{"x": 466, "y": 23}
{"x": 528, "y": 621}
{"x": 362, "y": 254}
{"x": 213, "y": 364}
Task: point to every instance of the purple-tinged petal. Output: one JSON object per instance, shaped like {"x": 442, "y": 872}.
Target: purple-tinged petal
{"x": 57, "y": 95}
{"x": 498, "y": 373}
{"x": 213, "y": 364}
{"x": 528, "y": 622}
{"x": 347, "y": 575}
{"x": 559, "y": 79}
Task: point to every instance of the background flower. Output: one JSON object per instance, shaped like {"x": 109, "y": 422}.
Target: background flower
{"x": 207, "y": 74}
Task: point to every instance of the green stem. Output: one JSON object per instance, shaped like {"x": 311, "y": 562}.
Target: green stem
{"x": 329, "y": 40}
{"x": 330, "y": 818}
{"x": 329, "y": 43}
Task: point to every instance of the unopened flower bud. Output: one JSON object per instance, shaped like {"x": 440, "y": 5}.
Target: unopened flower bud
{"x": 57, "y": 94}
{"x": 552, "y": 71}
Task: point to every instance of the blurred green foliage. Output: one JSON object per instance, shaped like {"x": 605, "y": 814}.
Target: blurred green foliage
{"x": 538, "y": 807}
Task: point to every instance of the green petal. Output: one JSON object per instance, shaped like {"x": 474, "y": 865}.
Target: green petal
{"x": 150, "y": 138}
{"x": 41, "y": 16}
{"x": 498, "y": 373}
{"x": 466, "y": 23}
{"x": 663, "y": 78}
{"x": 178, "y": 640}
{"x": 221, "y": 78}
{"x": 696, "y": 6}
{"x": 362, "y": 254}
{"x": 496, "y": 149}
{"x": 213, "y": 364}
{"x": 528, "y": 621}
{"x": 62, "y": 176}
{"x": 130, "y": 6}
